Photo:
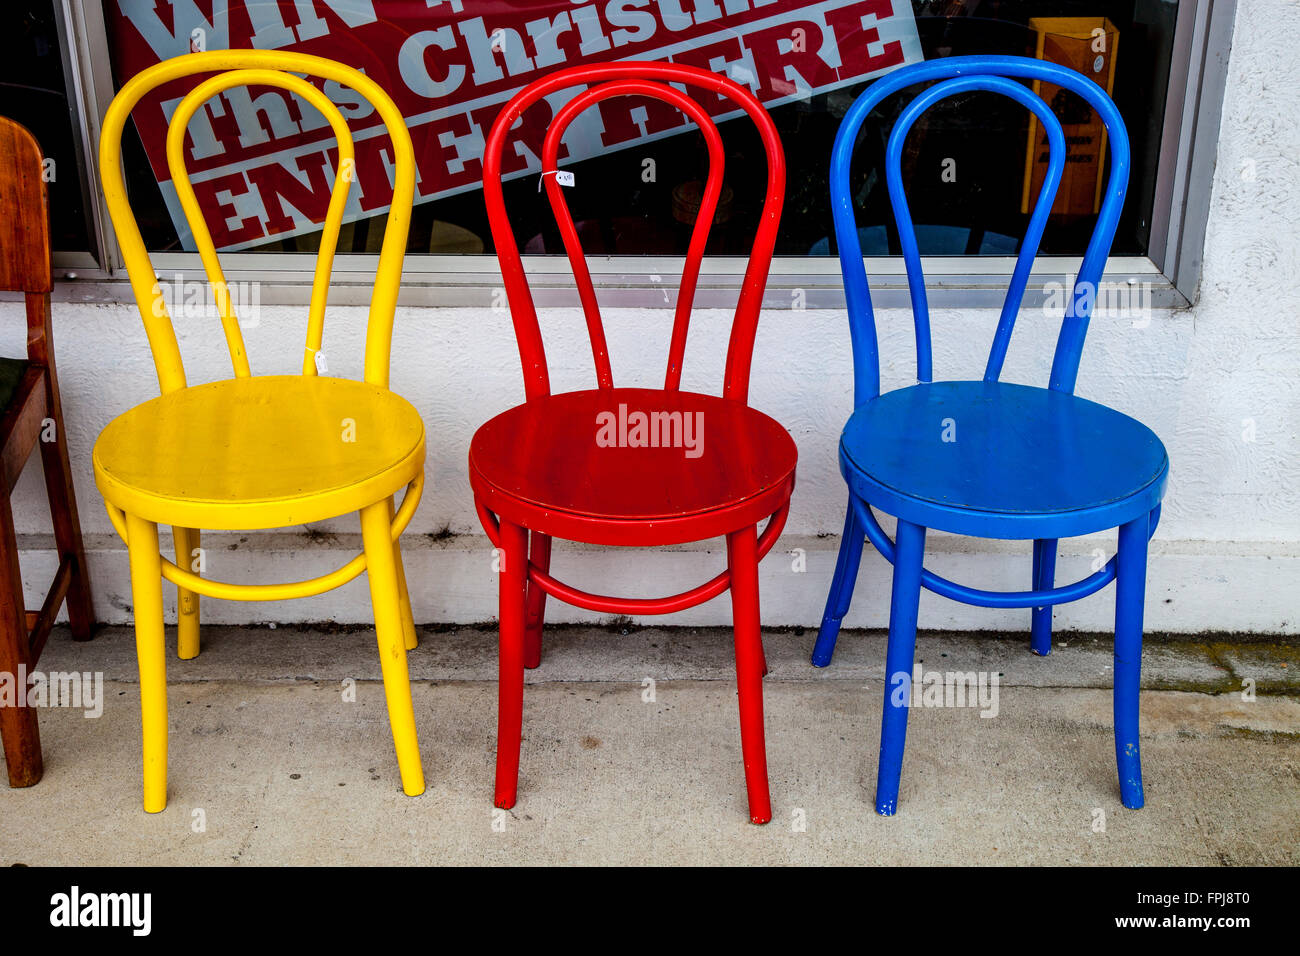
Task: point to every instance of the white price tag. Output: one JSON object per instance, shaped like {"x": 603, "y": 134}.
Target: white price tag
{"x": 563, "y": 177}
{"x": 321, "y": 367}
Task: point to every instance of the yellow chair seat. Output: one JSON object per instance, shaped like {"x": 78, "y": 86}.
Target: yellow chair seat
{"x": 260, "y": 452}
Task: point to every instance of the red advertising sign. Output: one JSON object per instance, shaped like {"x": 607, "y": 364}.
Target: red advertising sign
{"x": 262, "y": 161}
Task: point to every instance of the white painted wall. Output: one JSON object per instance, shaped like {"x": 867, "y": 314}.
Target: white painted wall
{"x": 1226, "y": 556}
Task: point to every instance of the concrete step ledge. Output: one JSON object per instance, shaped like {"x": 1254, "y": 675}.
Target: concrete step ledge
{"x": 1221, "y": 664}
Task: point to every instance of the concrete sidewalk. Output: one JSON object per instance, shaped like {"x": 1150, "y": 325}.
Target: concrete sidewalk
{"x": 270, "y": 762}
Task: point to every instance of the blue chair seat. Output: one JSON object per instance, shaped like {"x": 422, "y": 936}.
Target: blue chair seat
{"x": 999, "y": 460}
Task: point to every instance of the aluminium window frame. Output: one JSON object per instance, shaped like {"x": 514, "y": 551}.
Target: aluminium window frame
{"x": 1170, "y": 273}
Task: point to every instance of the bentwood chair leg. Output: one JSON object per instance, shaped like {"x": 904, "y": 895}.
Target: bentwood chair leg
{"x": 18, "y": 729}
{"x": 1130, "y": 596}
{"x": 846, "y": 575}
{"x": 187, "y": 602}
{"x": 151, "y": 651}
{"x": 1040, "y": 641}
{"x": 382, "y": 570}
{"x": 742, "y": 559}
{"x": 535, "y": 613}
{"x": 908, "y": 557}
{"x": 404, "y": 596}
{"x": 510, "y": 681}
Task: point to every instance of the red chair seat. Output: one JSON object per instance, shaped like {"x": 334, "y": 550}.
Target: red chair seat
{"x": 577, "y": 466}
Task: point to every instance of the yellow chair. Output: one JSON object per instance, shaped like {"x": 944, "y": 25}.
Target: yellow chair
{"x": 269, "y": 451}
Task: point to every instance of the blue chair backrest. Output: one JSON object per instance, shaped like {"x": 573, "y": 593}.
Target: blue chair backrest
{"x": 962, "y": 74}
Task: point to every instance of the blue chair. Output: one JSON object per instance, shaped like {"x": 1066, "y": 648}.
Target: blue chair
{"x": 990, "y": 458}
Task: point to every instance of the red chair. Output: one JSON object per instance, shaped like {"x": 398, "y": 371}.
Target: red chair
{"x": 582, "y": 466}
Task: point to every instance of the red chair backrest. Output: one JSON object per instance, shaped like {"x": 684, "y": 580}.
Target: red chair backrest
{"x": 635, "y": 79}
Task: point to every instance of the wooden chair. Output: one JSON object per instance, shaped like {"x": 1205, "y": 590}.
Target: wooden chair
{"x": 264, "y": 451}
{"x": 30, "y": 414}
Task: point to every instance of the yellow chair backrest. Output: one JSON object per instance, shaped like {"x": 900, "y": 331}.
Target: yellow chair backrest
{"x": 264, "y": 68}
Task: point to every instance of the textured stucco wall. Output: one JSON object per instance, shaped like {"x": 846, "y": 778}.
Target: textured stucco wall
{"x": 1226, "y": 557}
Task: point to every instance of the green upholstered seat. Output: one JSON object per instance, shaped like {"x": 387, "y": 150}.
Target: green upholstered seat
{"x": 11, "y": 373}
